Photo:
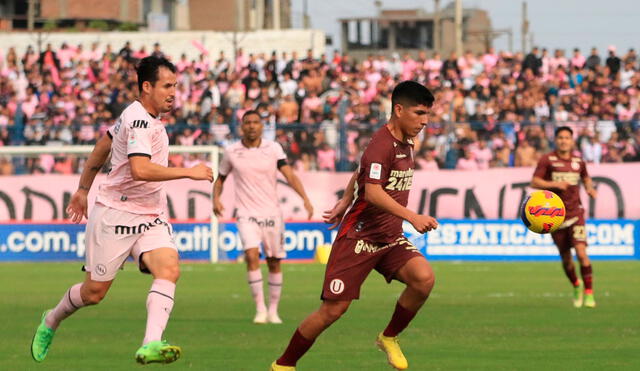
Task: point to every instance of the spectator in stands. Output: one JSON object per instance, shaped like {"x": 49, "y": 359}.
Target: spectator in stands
{"x": 613, "y": 62}
{"x": 526, "y": 154}
{"x": 593, "y": 61}
{"x": 591, "y": 149}
{"x": 467, "y": 161}
{"x": 425, "y": 160}
{"x": 73, "y": 100}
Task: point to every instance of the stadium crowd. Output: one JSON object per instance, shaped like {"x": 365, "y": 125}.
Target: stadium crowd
{"x": 491, "y": 110}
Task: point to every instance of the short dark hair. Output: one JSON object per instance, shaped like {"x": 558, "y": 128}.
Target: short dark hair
{"x": 564, "y": 128}
{"x": 410, "y": 93}
{"x": 250, "y": 112}
{"x": 148, "y": 67}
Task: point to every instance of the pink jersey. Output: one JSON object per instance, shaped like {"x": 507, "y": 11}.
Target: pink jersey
{"x": 136, "y": 133}
{"x": 255, "y": 173}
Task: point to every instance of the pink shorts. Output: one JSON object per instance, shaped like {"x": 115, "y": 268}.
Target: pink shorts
{"x": 265, "y": 231}
{"x": 114, "y": 235}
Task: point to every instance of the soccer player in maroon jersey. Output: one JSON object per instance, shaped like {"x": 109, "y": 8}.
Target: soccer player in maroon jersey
{"x": 561, "y": 171}
{"x": 370, "y": 236}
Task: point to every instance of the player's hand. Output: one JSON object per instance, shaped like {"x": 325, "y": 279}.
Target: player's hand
{"x": 77, "y": 207}
{"x": 201, "y": 172}
{"x": 563, "y": 186}
{"x": 334, "y": 216}
{"x": 424, "y": 223}
{"x": 218, "y": 209}
{"x": 309, "y": 208}
{"x": 592, "y": 192}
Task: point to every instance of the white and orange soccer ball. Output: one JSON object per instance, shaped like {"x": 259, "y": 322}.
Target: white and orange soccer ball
{"x": 543, "y": 212}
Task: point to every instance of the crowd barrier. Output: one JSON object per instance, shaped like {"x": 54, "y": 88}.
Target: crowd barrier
{"x": 492, "y": 240}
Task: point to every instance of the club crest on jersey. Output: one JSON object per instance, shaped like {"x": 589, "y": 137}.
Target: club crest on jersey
{"x": 575, "y": 166}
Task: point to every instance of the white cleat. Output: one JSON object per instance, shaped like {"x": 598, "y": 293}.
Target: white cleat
{"x": 274, "y": 318}
{"x": 260, "y": 318}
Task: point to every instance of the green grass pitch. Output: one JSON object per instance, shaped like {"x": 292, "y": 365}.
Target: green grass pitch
{"x": 481, "y": 316}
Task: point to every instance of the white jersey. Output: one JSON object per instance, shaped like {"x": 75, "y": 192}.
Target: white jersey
{"x": 136, "y": 133}
{"x": 255, "y": 176}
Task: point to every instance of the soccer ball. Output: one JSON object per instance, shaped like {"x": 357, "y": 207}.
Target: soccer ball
{"x": 542, "y": 212}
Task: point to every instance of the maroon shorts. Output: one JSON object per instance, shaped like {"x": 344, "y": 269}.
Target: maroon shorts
{"x": 351, "y": 261}
{"x": 567, "y": 237}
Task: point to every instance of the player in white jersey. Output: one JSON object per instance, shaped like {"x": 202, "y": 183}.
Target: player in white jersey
{"x": 128, "y": 216}
{"x": 254, "y": 163}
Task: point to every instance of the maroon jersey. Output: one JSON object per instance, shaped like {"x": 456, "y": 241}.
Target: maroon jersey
{"x": 388, "y": 162}
{"x": 552, "y": 167}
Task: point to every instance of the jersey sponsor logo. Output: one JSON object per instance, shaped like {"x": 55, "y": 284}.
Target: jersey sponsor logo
{"x": 267, "y": 222}
{"x": 565, "y": 176}
{"x": 557, "y": 164}
{"x": 140, "y": 228}
{"x": 140, "y": 124}
{"x": 400, "y": 180}
{"x": 401, "y": 155}
{"x": 376, "y": 171}
{"x": 336, "y": 286}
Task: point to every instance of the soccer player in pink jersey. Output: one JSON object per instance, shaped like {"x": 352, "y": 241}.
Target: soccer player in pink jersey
{"x": 371, "y": 236}
{"x": 128, "y": 216}
{"x": 254, "y": 162}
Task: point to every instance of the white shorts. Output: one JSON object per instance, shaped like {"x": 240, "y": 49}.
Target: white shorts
{"x": 114, "y": 235}
{"x": 265, "y": 231}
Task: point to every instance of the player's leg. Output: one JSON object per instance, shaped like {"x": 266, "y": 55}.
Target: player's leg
{"x": 254, "y": 278}
{"x": 163, "y": 264}
{"x": 104, "y": 257}
{"x": 310, "y": 328}
{"x": 563, "y": 243}
{"x": 406, "y": 264}
{"x": 89, "y": 292}
{"x": 274, "y": 251}
{"x": 251, "y": 236}
{"x": 587, "y": 275}
{"x": 275, "y": 289}
{"x": 345, "y": 273}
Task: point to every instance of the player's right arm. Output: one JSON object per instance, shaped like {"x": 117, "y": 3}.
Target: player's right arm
{"x": 334, "y": 215}
{"x": 376, "y": 165}
{"x": 143, "y": 169}
{"x": 542, "y": 173}
{"x": 376, "y": 195}
{"x": 139, "y": 143}
{"x": 218, "y": 208}
{"x": 78, "y": 205}
{"x": 223, "y": 170}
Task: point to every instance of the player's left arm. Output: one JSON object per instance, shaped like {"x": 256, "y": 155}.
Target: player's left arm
{"x": 296, "y": 184}
{"x": 587, "y": 181}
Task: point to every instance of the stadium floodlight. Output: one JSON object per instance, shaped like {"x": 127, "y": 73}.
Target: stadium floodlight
{"x": 212, "y": 151}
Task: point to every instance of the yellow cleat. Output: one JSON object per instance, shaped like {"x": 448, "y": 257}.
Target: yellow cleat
{"x": 589, "y": 301}
{"x": 390, "y": 346}
{"x": 578, "y": 299}
{"x": 277, "y": 367}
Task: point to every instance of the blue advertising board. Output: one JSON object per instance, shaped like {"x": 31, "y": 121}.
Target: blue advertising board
{"x": 506, "y": 240}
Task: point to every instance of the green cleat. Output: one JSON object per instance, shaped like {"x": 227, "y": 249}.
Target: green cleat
{"x": 158, "y": 352}
{"x": 589, "y": 301}
{"x": 42, "y": 340}
{"x": 577, "y": 296}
